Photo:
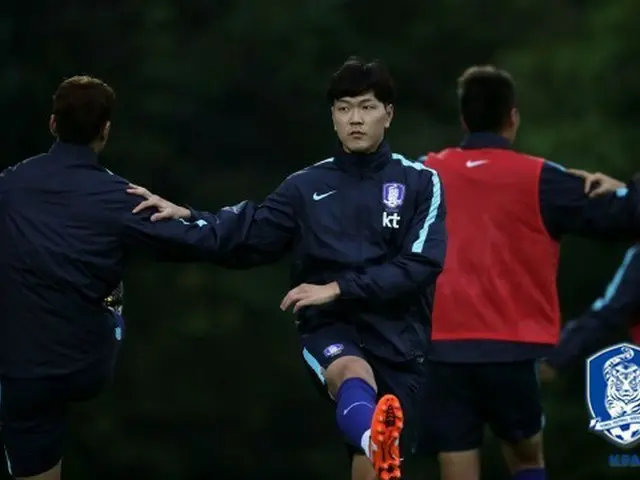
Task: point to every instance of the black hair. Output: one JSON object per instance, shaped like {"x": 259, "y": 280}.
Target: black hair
{"x": 82, "y": 105}
{"x": 487, "y": 96}
{"x": 356, "y": 77}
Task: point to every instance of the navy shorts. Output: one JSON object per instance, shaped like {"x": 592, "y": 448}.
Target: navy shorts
{"x": 33, "y": 412}
{"x": 402, "y": 379}
{"x": 462, "y": 398}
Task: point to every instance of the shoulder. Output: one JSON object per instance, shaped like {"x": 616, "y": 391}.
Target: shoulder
{"x": 308, "y": 173}
{"x": 552, "y": 172}
{"x": 548, "y": 164}
{"x": 533, "y": 160}
{"x": 112, "y": 177}
{"x": 441, "y": 155}
{"x": 405, "y": 162}
{"x": 23, "y": 166}
{"x": 322, "y": 165}
{"x": 100, "y": 179}
{"x": 107, "y": 187}
{"x": 416, "y": 168}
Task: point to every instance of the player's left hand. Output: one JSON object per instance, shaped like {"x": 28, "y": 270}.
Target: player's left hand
{"x": 598, "y": 183}
{"x": 166, "y": 209}
{"x": 306, "y": 294}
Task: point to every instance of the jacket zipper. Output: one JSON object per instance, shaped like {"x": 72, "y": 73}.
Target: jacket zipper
{"x": 361, "y": 232}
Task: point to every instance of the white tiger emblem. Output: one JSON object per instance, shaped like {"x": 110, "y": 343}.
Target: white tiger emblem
{"x": 623, "y": 385}
{"x": 613, "y": 394}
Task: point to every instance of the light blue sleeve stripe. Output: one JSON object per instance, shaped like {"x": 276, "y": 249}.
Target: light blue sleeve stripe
{"x": 556, "y": 165}
{"x": 200, "y": 223}
{"x": 436, "y": 198}
{"x": 314, "y": 364}
{"x": 543, "y": 418}
{"x": 6, "y": 454}
{"x": 408, "y": 163}
{"x": 326, "y": 160}
{"x": 615, "y": 282}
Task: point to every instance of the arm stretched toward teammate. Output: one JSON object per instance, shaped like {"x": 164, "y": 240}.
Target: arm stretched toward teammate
{"x": 616, "y": 307}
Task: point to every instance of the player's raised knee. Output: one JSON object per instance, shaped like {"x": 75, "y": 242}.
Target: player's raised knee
{"x": 345, "y": 368}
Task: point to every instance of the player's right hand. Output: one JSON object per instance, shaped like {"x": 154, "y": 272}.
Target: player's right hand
{"x": 598, "y": 183}
{"x": 165, "y": 209}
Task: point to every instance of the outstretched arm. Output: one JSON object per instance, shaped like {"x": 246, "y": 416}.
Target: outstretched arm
{"x": 182, "y": 240}
{"x": 618, "y": 304}
{"x": 252, "y": 234}
{"x": 567, "y": 209}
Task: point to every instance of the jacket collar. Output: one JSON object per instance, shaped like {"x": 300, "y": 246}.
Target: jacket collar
{"x": 362, "y": 163}
{"x": 71, "y": 151}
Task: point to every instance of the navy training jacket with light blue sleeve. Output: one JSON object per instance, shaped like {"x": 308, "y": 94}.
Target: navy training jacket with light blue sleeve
{"x": 374, "y": 223}
{"x": 618, "y": 306}
{"x": 66, "y": 230}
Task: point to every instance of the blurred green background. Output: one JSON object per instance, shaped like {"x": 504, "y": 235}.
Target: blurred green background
{"x": 218, "y": 101}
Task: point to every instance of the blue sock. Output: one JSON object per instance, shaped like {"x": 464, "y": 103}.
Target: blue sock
{"x": 356, "y": 403}
{"x": 530, "y": 474}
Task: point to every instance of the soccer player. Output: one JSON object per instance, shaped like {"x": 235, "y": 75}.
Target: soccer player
{"x": 366, "y": 228}
{"x": 619, "y": 305}
{"x": 65, "y": 226}
{"x": 496, "y": 309}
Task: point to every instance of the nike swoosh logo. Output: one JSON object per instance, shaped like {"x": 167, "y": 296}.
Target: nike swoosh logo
{"x": 475, "y": 163}
{"x": 319, "y": 196}
{"x": 346, "y": 410}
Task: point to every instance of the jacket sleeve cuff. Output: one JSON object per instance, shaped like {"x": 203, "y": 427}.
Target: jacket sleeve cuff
{"x": 346, "y": 288}
{"x": 195, "y": 214}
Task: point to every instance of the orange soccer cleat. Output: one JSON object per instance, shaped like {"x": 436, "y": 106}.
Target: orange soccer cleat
{"x": 386, "y": 428}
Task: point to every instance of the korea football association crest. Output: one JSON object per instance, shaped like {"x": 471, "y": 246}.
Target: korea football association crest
{"x": 613, "y": 394}
{"x": 392, "y": 198}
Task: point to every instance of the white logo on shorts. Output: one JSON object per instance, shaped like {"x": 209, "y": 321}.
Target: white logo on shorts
{"x": 333, "y": 350}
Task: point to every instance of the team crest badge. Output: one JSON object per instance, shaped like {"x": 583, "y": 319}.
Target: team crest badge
{"x": 613, "y": 394}
{"x": 393, "y": 195}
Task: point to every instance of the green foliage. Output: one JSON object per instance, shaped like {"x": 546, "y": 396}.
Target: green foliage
{"x": 219, "y": 101}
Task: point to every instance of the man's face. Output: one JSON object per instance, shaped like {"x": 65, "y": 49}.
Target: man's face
{"x": 360, "y": 122}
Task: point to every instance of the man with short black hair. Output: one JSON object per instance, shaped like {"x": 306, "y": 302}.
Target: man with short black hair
{"x": 496, "y": 309}
{"x": 366, "y": 228}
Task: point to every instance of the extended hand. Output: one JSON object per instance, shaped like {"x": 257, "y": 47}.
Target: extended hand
{"x": 602, "y": 183}
{"x": 165, "y": 208}
{"x": 306, "y": 294}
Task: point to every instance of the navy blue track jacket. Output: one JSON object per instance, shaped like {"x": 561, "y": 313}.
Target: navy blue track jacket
{"x": 373, "y": 223}
{"x": 619, "y": 305}
{"x": 66, "y": 229}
